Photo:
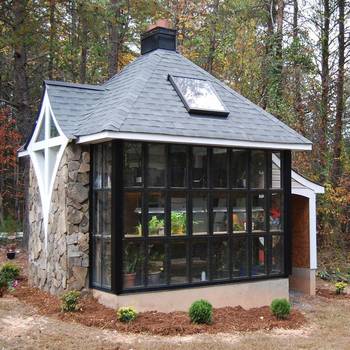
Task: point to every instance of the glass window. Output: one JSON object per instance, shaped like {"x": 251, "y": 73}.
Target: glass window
{"x": 133, "y": 214}
{"x": 258, "y": 161}
{"x": 199, "y": 261}
{"x": 178, "y": 214}
{"x": 219, "y": 167}
{"x": 239, "y": 212}
{"x": 156, "y": 165}
{"x": 239, "y": 168}
{"x": 178, "y": 262}
{"x": 198, "y": 94}
{"x": 220, "y": 219}
{"x": 240, "y": 257}
{"x": 199, "y": 167}
{"x": 258, "y": 256}
{"x": 258, "y": 212}
{"x": 96, "y": 257}
{"x": 156, "y": 205}
{"x": 97, "y": 166}
{"x": 156, "y": 264}
{"x": 133, "y": 164}
{"x": 41, "y": 134}
{"x": 276, "y": 212}
{"x": 277, "y": 261}
{"x": 53, "y": 130}
{"x": 178, "y": 165}
{"x": 220, "y": 259}
{"x": 132, "y": 264}
{"x": 107, "y": 263}
{"x": 276, "y": 171}
{"x": 200, "y": 214}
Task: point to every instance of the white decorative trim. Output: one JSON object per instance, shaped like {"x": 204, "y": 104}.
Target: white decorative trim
{"x": 110, "y": 135}
{"x": 45, "y": 176}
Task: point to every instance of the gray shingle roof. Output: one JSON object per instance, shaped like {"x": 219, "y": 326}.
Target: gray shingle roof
{"x": 140, "y": 99}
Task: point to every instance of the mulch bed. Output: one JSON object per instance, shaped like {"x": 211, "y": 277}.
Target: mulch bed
{"x": 92, "y": 313}
{"x": 330, "y": 294}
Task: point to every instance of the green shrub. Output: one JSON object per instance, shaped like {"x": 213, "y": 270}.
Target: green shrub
{"x": 126, "y": 314}
{"x": 340, "y": 286}
{"x": 201, "y": 311}
{"x": 69, "y": 301}
{"x": 10, "y": 272}
{"x": 280, "y": 308}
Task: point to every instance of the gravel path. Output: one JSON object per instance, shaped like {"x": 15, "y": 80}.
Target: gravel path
{"x": 22, "y": 328}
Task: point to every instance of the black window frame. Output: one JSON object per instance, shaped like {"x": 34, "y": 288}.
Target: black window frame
{"x": 118, "y": 190}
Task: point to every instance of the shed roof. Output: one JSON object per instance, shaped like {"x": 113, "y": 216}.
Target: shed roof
{"x": 140, "y": 99}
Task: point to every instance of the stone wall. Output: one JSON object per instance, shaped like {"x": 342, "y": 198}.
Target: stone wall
{"x": 63, "y": 265}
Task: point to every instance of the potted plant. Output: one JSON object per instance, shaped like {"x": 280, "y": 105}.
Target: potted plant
{"x": 156, "y": 268}
{"x": 156, "y": 226}
{"x": 178, "y": 223}
{"x": 132, "y": 260}
{"x": 9, "y": 228}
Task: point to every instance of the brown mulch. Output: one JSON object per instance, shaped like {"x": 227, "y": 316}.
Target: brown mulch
{"x": 92, "y": 313}
{"x": 330, "y": 294}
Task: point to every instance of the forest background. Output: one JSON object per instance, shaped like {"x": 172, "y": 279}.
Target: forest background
{"x": 291, "y": 57}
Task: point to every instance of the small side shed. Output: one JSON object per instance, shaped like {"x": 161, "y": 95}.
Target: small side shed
{"x": 304, "y": 232}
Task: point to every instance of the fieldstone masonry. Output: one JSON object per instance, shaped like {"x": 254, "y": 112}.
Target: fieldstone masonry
{"x": 64, "y": 264}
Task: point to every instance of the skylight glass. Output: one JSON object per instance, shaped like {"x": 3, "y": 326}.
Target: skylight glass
{"x": 198, "y": 95}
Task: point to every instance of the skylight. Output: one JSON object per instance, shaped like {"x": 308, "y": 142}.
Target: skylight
{"x": 198, "y": 96}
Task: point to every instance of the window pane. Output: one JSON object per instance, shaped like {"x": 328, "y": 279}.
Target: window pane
{"x": 258, "y": 256}
{"x": 133, "y": 164}
{"x": 258, "y": 169}
{"x": 219, "y": 167}
{"x": 96, "y": 271}
{"x": 156, "y": 205}
{"x": 277, "y": 261}
{"x": 107, "y": 267}
{"x": 258, "y": 212}
{"x": 199, "y": 261}
{"x": 200, "y": 214}
{"x": 220, "y": 219}
{"x": 239, "y": 212}
{"x": 41, "y": 134}
{"x": 133, "y": 214}
{"x": 97, "y": 166}
{"x": 178, "y": 263}
{"x": 200, "y": 167}
{"x": 276, "y": 171}
{"x": 156, "y": 165}
{"x": 240, "y": 257}
{"x": 107, "y": 165}
{"x": 239, "y": 168}
{"x": 132, "y": 264}
{"x": 220, "y": 259}
{"x": 156, "y": 264}
{"x": 178, "y": 165}
{"x": 53, "y": 129}
{"x": 198, "y": 94}
{"x": 178, "y": 216}
{"x": 276, "y": 212}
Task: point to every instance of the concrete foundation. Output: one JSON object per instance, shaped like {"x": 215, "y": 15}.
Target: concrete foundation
{"x": 303, "y": 280}
{"x": 247, "y": 295}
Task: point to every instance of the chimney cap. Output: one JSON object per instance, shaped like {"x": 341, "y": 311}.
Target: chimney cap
{"x": 158, "y": 36}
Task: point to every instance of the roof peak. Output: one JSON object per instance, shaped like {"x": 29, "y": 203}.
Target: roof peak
{"x": 73, "y": 85}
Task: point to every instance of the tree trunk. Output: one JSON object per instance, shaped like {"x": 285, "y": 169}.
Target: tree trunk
{"x": 114, "y": 39}
{"x": 52, "y": 38}
{"x": 325, "y": 89}
{"x": 212, "y": 40}
{"x": 20, "y": 91}
{"x": 298, "y": 104}
{"x": 338, "y": 129}
{"x": 279, "y": 47}
{"x": 84, "y": 46}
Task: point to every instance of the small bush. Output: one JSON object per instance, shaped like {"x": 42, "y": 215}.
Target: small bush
{"x": 201, "y": 311}
{"x": 339, "y": 287}
{"x": 10, "y": 272}
{"x": 280, "y": 308}
{"x": 69, "y": 301}
{"x": 126, "y": 314}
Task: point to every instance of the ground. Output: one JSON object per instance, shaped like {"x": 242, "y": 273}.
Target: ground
{"x": 21, "y": 327}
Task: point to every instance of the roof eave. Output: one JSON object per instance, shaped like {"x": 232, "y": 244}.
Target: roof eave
{"x": 112, "y": 135}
